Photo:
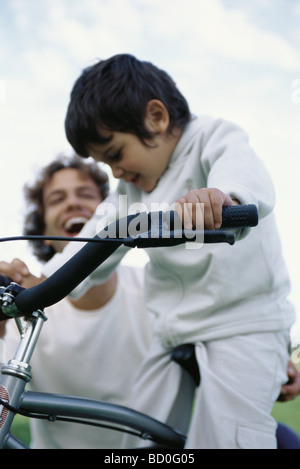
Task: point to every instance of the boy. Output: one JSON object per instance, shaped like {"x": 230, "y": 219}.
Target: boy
{"x": 231, "y": 302}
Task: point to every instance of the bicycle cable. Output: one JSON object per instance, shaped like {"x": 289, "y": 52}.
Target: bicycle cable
{"x": 59, "y": 238}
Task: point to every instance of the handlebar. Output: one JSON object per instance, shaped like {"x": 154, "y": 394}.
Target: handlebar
{"x": 154, "y": 229}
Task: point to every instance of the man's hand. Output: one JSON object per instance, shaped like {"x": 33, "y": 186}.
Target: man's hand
{"x": 2, "y": 328}
{"x": 210, "y": 218}
{"x": 18, "y": 271}
{"x": 292, "y": 388}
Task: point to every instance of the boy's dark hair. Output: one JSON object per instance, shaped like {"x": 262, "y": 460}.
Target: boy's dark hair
{"x": 113, "y": 95}
{"x": 34, "y": 219}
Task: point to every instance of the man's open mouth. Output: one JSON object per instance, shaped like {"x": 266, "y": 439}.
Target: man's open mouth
{"x": 74, "y": 225}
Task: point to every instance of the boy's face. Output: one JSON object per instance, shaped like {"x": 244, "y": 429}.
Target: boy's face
{"x": 133, "y": 161}
{"x": 69, "y": 199}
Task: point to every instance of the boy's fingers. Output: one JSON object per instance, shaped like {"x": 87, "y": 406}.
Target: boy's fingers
{"x": 199, "y": 204}
{"x": 184, "y": 213}
{"x": 190, "y": 211}
{"x": 194, "y": 211}
{"x": 216, "y": 203}
{"x": 217, "y": 200}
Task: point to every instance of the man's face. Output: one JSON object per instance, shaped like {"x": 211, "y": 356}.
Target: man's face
{"x": 70, "y": 198}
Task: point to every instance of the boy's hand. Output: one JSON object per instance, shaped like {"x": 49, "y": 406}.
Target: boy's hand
{"x": 18, "y": 271}
{"x": 211, "y": 218}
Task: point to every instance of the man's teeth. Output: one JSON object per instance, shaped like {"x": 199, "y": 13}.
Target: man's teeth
{"x": 75, "y": 222}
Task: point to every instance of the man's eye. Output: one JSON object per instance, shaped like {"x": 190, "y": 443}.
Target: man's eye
{"x": 88, "y": 195}
{"x": 55, "y": 201}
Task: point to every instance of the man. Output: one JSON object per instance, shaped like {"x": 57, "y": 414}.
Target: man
{"x": 91, "y": 348}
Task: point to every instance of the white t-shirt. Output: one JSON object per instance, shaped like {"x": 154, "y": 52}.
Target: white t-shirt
{"x": 93, "y": 354}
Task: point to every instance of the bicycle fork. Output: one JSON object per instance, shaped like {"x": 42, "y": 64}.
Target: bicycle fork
{"x": 16, "y": 374}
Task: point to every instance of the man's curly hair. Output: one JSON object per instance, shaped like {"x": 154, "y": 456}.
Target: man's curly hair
{"x": 34, "y": 218}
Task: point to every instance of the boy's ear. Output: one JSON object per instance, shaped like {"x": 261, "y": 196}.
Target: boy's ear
{"x": 156, "y": 117}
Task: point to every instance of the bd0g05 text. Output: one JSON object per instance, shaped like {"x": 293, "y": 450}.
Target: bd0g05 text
{"x": 167, "y": 458}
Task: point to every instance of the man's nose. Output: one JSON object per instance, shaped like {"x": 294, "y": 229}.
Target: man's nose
{"x": 74, "y": 201}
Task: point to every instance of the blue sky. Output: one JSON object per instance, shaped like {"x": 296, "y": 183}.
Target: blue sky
{"x": 231, "y": 58}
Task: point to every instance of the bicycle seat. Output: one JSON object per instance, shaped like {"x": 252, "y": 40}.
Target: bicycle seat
{"x": 185, "y": 356}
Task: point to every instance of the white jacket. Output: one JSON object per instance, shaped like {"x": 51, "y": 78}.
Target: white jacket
{"x": 218, "y": 290}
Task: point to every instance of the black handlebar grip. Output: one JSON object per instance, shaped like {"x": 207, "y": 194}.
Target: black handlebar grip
{"x": 238, "y": 216}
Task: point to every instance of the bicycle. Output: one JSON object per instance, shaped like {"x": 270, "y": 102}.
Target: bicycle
{"x": 26, "y": 307}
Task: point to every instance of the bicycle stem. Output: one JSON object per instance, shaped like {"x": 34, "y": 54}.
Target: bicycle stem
{"x": 29, "y": 331}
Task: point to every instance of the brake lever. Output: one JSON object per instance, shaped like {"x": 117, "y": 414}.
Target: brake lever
{"x": 176, "y": 237}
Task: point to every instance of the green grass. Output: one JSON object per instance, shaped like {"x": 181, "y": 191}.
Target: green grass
{"x": 20, "y": 428}
{"x": 284, "y": 412}
{"x": 288, "y": 413}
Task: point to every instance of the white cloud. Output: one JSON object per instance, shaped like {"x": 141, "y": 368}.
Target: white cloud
{"x": 48, "y": 67}
{"x": 92, "y": 29}
{"x": 209, "y": 26}
{"x": 234, "y": 37}
{"x": 100, "y": 28}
